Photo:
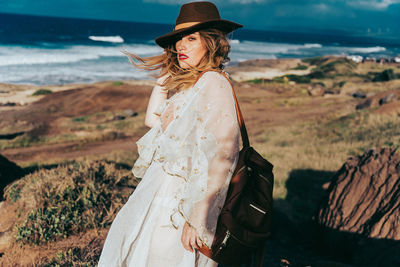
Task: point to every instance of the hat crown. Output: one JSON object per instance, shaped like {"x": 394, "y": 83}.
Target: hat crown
{"x": 193, "y": 17}
{"x": 197, "y": 12}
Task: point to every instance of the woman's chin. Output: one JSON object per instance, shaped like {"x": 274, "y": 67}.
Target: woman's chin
{"x": 183, "y": 65}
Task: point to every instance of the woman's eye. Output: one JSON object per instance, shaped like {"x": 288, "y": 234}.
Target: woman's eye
{"x": 192, "y": 38}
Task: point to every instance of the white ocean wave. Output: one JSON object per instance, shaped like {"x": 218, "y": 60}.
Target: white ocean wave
{"x": 251, "y": 47}
{"x": 10, "y": 55}
{"x": 312, "y": 45}
{"x": 375, "y": 49}
{"x": 91, "y": 71}
{"x": 111, "y": 39}
{"x": 272, "y": 50}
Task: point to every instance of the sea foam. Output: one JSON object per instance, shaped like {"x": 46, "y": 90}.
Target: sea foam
{"x": 111, "y": 39}
{"x": 365, "y": 50}
{"x": 12, "y": 55}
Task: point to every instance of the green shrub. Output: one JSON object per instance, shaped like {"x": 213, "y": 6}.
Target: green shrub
{"x": 72, "y": 199}
{"x": 14, "y": 192}
{"x": 339, "y": 66}
{"x": 283, "y": 79}
{"x": 317, "y": 74}
{"x": 118, "y": 83}
{"x": 384, "y": 76}
{"x": 257, "y": 81}
{"x": 80, "y": 119}
{"x": 298, "y": 78}
{"x": 314, "y": 60}
{"x": 73, "y": 257}
{"x": 279, "y": 79}
{"x": 300, "y": 67}
{"x": 292, "y": 77}
{"x": 42, "y": 92}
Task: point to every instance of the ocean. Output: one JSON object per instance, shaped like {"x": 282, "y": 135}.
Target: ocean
{"x": 44, "y": 50}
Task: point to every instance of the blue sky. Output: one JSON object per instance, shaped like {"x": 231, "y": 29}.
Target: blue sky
{"x": 363, "y": 16}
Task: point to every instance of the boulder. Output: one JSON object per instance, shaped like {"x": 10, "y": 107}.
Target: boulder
{"x": 358, "y": 94}
{"x": 378, "y": 100}
{"x": 130, "y": 113}
{"x": 365, "y": 104}
{"x": 316, "y": 90}
{"x": 364, "y": 196}
{"x": 388, "y": 99}
{"x": 359, "y": 218}
{"x": 9, "y": 172}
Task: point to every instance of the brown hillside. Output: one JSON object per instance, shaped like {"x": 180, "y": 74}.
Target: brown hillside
{"x": 39, "y": 117}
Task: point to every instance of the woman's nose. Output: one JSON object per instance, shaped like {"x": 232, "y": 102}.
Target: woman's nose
{"x": 180, "y": 46}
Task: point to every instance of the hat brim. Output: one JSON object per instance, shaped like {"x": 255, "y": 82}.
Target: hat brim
{"x": 174, "y": 36}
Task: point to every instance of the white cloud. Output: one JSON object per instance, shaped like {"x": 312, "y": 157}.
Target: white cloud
{"x": 321, "y": 5}
{"x": 247, "y": 1}
{"x": 372, "y": 4}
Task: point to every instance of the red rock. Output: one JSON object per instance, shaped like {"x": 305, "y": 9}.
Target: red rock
{"x": 364, "y": 196}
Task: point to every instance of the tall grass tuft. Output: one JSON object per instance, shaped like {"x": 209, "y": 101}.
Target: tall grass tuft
{"x": 69, "y": 199}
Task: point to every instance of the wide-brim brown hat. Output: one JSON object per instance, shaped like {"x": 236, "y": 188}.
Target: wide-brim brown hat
{"x": 193, "y": 17}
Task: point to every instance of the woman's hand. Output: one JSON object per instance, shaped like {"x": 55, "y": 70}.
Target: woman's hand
{"x": 189, "y": 238}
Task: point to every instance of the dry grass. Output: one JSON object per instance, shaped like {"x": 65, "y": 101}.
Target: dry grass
{"x": 87, "y": 129}
{"x": 53, "y": 204}
{"x": 324, "y": 145}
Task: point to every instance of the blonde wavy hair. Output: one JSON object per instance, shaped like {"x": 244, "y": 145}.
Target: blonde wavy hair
{"x": 218, "y": 48}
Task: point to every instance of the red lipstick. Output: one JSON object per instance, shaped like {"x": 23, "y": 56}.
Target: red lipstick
{"x": 182, "y": 56}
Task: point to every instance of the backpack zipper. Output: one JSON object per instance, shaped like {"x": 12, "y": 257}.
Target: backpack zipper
{"x": 228, "y": 234}
{"x": 265, "y": 178}
{"x": 240, "y": 170}
{"x": 257, "y": 209}
{"x": 223, "y": 243}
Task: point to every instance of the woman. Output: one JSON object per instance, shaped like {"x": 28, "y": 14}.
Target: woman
{"x": 187, "y": 158}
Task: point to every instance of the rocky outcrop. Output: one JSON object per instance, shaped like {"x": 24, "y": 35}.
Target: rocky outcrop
{"x": 388, "y": 99}
{"x": 359, "y": 220}
{"x": 9, "y": 172}
{"x": 316, "y": 90}
{"x": 364, "y": 196}
{"x": 379, "y": 100}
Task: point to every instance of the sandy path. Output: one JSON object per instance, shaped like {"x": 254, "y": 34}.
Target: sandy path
{"x": 265, "y": 73}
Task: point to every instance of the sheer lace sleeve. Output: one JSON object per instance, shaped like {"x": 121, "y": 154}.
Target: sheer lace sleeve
{"x": 214, "y": 157}
{"x": 157, "y": 98}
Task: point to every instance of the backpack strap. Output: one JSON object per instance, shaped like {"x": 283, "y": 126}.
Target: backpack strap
{"x": 243, "y": 130}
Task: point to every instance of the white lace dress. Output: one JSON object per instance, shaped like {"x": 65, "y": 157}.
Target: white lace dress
{"x": 185, "y": 161}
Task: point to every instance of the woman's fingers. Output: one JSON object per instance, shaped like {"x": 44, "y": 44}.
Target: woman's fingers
{"x": 193, "y": 241}
{"x": 185, "y": 237}
{"x": 189, "y": 238}
{"x": 199, "y": 243}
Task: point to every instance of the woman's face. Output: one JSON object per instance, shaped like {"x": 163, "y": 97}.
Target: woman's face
{"x": 190, "y": 50}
